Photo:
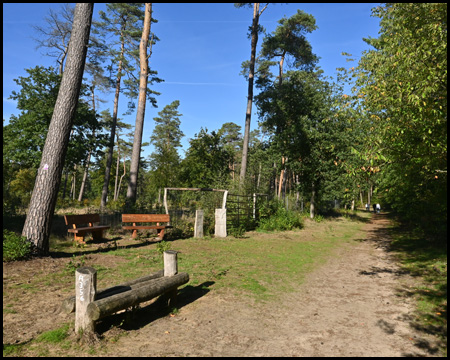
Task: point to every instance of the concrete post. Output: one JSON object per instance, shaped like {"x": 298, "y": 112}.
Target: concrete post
{"x": 198, "y": 229}
{"x": 220, "y": 229}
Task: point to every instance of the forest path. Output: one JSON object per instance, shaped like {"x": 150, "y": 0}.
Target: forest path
{"x": 353, "y": 305}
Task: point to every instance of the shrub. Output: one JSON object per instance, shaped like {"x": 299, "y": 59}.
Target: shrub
{"x": 15, "y": 247}
{"x": 281, "y": 220}
{"x": 163, "y": 246}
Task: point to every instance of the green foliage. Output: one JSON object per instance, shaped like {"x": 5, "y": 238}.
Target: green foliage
{"x": 237, "y": 232}
{"x": 163, "y": 246}
{"x": 121, "y": 24}
{"x": 275, "y": 217}
{"x": 401, "y": 87}
{"x": 15, "y": 247}
{"x": 289, "y": 39}
{"x": 75, "y": 263}
{"x": 166, "y": 138}
{"x": 206, "y": 161}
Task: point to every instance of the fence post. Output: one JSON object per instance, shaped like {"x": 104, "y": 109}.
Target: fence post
{"x": 85, "y": 289}
{"x": 170, "y": 263}
{"x": 170, "y": 269}
{"x": 198, "y": 229}
{"x": 220, "y": 228}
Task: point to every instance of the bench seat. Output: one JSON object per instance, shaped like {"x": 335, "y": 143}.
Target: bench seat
{"x": 146, "y": 218}
{"x": 87, "y": 219}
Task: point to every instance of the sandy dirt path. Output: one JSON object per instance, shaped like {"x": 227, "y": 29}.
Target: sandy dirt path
{"x": 350, "y": 306}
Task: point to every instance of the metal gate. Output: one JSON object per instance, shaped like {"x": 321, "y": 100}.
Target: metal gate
{"x": 243, "y": 211}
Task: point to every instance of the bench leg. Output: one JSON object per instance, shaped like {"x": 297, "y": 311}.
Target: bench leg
{"x": 97, "y": 235}
{"x": 79, "y": 239}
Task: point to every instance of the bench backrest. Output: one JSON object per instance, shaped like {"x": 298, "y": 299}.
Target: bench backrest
{"x": 145, "y": 218}
{"x": 81, "y": 219}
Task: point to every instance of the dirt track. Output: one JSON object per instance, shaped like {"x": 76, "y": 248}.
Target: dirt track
{"x": 348, "y": 307}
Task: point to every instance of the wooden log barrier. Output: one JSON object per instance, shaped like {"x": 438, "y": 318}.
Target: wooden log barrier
{"x": 68, "y": 304}
{"x": 111, "y": 304}
{"x": 89, "y": 307}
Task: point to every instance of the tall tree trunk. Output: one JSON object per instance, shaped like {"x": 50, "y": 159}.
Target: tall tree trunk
{"x": 88, "y": 160}
{"x": 312, "y": 208}
{"x": 73, "y": 187}
{"x": 134, "y": 167}
{"x": 248, "y": 114}
{"x": 65, "y": 185}
{"x": 121, "y": 177}
{"x": 113, "y": 129}
{"x": 43, "y": 200}
{"x": 116, "y": 181}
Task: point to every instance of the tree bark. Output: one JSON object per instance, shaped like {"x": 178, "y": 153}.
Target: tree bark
{"x": 43, "y": 200}
{"x": 248, "y": 114}
{"x": 134, "y": 167}
{"x": 116, "y": 192}
{"x": 113, "y": 130}
{"x": 88, "y": 160}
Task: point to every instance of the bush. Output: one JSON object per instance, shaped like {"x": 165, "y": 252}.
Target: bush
{"x": 15, "y": 247}
{"x": 281, "y": 220}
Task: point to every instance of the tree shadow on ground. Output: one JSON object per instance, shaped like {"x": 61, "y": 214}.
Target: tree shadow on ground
{"x": 352, "y": 215}
{"x": 105, "y": 246}
{"x": 426, "y": 259}
{"x": 141, "y": 317}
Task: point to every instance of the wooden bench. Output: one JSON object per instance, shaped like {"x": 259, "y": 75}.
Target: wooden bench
{"x": 146, "y": 218}
{"x": 87, "y": 219}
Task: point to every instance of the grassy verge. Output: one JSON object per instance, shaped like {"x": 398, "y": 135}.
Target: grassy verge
{"x": 260, "y": 265}
{"x": 427, "y": 262}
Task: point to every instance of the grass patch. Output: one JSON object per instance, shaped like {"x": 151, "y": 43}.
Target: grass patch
{"x": 263, "y": 264}
{"x": 54, "y": 336}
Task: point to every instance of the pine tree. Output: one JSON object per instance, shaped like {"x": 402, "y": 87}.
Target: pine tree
{"x": 43, "y": 200}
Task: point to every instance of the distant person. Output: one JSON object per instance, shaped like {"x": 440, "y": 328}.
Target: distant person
{"x": 374, "y": 208}
{"x": 378, "y": 208}
{"x": 367, "y": 207}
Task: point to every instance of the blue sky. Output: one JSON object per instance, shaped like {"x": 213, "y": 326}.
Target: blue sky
{"x": 199, "y": 55}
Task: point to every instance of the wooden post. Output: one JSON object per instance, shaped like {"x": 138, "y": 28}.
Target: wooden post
{"x": 170, "y": 269}
{"x": 85, "y": 288}
{"x": 198, "y": 229}
{"x": 170, "y": 263}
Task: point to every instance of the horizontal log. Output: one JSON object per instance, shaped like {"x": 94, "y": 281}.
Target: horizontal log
{"x": 111, "y": 304}
{"x": 68, "y": 304}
